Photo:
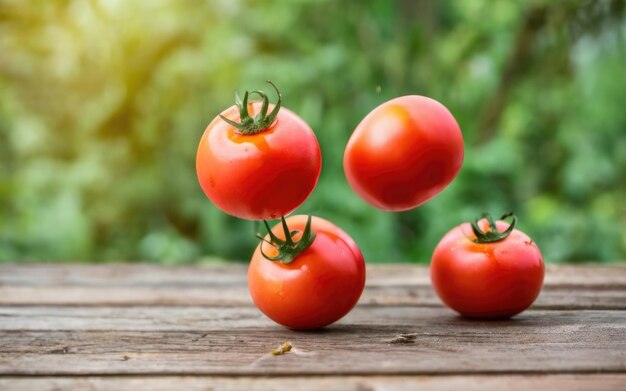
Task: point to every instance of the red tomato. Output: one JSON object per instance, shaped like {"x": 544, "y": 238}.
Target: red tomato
{"x": 318, "y": 287}
{"x": 403, "y": 153}
{"x": 264, "y": 170}
{"x": 495, "y": 279}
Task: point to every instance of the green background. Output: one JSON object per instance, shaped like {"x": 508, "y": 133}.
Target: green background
{"x": 102, "y": 104}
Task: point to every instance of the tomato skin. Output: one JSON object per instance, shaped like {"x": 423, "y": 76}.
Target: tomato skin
{"x": 261, "y": 176}
{"x": 403, "y": 153}
{"x": 319, "y": 287}
{"x": 487, "y": 280}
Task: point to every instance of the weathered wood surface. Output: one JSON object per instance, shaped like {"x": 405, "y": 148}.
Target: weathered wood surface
{"x": 567, "y": 382}
{"x": 144, "y": 326}
{"x": 595, "y": 287}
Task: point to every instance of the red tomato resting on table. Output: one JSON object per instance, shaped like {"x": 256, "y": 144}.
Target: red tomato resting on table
{"x": 306, "y": 274}
{"x": 487, "y": 269}
{"x": 403, "y": 153}
{"x": 261, "y": 168}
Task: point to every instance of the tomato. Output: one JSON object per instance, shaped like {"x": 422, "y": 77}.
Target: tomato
{"x": 487, "y": 272}
{"x": 403, "y": 153}
{"x": 261, "y": 168}
{"x": 314, "y": 288}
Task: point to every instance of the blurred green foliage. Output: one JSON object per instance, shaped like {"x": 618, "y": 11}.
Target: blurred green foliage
{"x": 102, "y": 104}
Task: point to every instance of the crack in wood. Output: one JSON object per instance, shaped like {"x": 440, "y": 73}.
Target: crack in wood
{"x": 62, "y": 350}
{"x": 200, "y": 337}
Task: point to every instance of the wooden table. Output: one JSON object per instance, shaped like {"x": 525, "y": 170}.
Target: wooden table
{"x": 134, "y": 327}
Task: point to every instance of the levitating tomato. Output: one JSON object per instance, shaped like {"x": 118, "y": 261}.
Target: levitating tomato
{"x": 403, "y": 153}
{"x": 306, "y": 273}
{"x": 263, "y": 166}
{"x": 487, "y": 269}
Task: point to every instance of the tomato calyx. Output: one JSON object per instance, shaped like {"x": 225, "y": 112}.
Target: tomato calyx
{"x": 492, "y": 234}
{"x": 252, "y": 125}
{"x": 288, "y": 249}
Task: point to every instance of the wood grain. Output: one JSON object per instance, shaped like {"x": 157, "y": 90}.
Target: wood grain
{"x": 566, "y": 287}
{"x": 68, "y": 340}
{"x": 121, "y": 274}
{"x": 603, "y": 382}
{"x": 142, "y": 326}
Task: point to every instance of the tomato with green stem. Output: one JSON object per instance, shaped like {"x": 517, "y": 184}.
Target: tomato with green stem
{"x": 306, "y": 273}
{"x": 403, "y": 153}
{"x": 487, "y": 269}
{"x": 262, "y": 167}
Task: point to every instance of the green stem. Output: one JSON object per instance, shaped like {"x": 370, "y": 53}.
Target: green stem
{"x": 287, "y": 249}
{"x": 252, "y": 125}
{"x": 492, "y": 234}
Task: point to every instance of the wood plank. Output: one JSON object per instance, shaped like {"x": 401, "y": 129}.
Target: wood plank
{"x": 150, "y": 320}
{"x": 132, "y": 285}
{"x": 210, "y": 341}
{"x": 132, "y": 275}
{"x": 550, "y": 298}
{"x": 597, "y": 382}
{"x": 217, "y": 318}
{"x": 120, "y": 274}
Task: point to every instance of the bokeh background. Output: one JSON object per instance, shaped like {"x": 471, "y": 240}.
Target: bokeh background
{"x": 103, "y": 102}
